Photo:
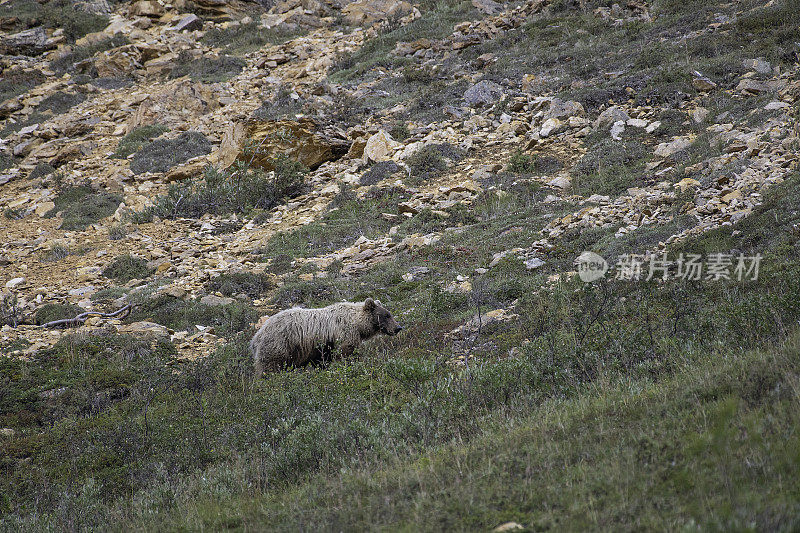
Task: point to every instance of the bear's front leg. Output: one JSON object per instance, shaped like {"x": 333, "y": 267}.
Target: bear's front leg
{"x": 349, "y": 343}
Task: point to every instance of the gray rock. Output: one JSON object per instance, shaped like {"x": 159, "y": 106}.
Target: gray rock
{"x": 97, "y": 7}
{"x": 30, "y": 42}
{"x": 759, "y": 64}
{"x": 563, "y": 110}
{"x": 668, "y": 149}
{"x": 487, "y": 7}
{"x": 144, "y": 329}
{"x": 752, "y": 87}
{"x": 702, "y": 83}
{"x": 189, "y": 22}
{"x": 214, "y": 301}
{"x": 15, "y": 283}
{"x": 483, "y": 93}
{"x": 533, "y": 262}
{"x": 610, "y": 116}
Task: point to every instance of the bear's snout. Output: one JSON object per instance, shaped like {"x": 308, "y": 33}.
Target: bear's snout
{"x": 397, "y": 329}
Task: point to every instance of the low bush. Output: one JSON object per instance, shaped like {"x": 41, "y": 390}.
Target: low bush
{"x": 80, "y": 206}
{"x": 66, "y": 63}
{"x": 432, "y": 159}
{"x": 244, "y": 38}
{"x": 206, "y": 69}
{"x": 127, "y": 267}
{"x": 378, "y": 172}
{"x": 163, "y": 154}
{"x": 253, "y": 285}
{"x": 239, "y": 189}
{"x": 136, "y": 139}
{"x": 16, "y": 82}
{"x": 51, "y": 312}
{"x": 54, "y": 14}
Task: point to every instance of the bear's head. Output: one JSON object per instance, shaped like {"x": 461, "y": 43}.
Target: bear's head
{"x": 381, "y": 317}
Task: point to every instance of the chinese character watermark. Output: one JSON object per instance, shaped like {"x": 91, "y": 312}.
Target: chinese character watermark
{"x": 689, "y": 267}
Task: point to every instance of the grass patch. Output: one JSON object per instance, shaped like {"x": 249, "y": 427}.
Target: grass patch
{"x": 16, "y": 82}
{"x": 432, "y": 160}
{"x": 163, "y": 154}
{"x": 136, "y": 139}
{"x": 336, "y": 229}
{"x": 180, "y": 315}
{"x": 244, "y": 38}
{"x": 239, "y": 189}
{"x": 206, "y": 69}
{"x": 127, "y": 267}
{"x": 50, "y": 312}
{"x": 437, "y": 22}
{"x": 610, "y": 167}
{"x": 53, "y": 14}
{"x": 81, "y": 206}
{"x": 67, "y": 62}
{"x": 253, "y": 285}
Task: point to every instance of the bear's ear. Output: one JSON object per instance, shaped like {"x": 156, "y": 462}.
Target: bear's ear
{"x": 369, "y": 305}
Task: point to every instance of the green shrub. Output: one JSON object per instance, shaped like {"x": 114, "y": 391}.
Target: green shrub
{"x": 41, "y": 170}
{"x": 16, "y": 82}
{"x": 239, "y": 189}
{"x": 51, "y": 312}
{"x": 253, "y": 285}
{"x": 136, "y": 139}
{"x": 126, "y": 267}
{"x": 80, "y": 206}
{"x": 244, "y": 38}
{"x": 56, "y": 253}
{"x": 117, "y": 232}
{"x": 164, "y": 154}
{"x": 432, "y": 159}
{"x": 206, "y": 69}
{"x": 379, "y": 171}
{"x": 66, "y": 62}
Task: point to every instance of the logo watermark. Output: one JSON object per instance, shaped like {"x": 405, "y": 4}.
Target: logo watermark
{"x": 690, "y": 267}
{"x": 591, "y": 266}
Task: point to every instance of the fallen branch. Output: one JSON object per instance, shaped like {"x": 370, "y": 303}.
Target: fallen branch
{"x": 81, "y": 318}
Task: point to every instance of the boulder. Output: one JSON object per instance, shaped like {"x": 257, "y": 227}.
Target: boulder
{"x": 564, "y": 110}
{"x": 214, "y": 301}
{"x": 610, "y": 116}
{"x": 147, "y": 8}
{"x": 665, "y": 150}
{"x": 30, "y": 42}
{"x": 190, "y": 22}
{"x": 380, "y": 147}
{"x": 118, "y": 62}
{"x": 145, "y": 330}
{"x": 368, "y": 12}
{"x": 301, "y": 140}
{"x": 483, "y": 93}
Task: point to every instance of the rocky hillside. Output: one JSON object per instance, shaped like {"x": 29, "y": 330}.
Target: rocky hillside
{"x": 170, "y": 171}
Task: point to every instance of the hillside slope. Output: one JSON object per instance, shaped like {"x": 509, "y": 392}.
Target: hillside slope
{"x": 176, "y": 170}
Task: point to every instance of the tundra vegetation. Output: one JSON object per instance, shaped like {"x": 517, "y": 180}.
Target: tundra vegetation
{"x": 608, "y": 405}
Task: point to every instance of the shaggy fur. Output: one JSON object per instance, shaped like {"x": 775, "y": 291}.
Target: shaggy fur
{"x": 296, "y": 337}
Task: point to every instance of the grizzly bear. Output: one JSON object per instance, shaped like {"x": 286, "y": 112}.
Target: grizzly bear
{"x": 298, "y": 336}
